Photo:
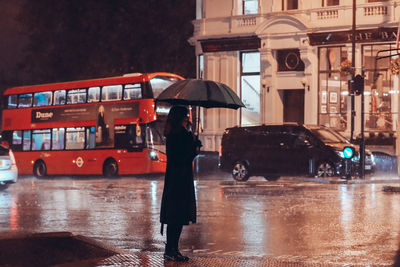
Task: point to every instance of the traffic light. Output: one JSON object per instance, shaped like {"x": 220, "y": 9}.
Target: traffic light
{"x": 358, "y": 84}
{"x": 348, "y": 152}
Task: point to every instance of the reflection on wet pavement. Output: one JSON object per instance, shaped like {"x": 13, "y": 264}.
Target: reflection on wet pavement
{"x": 300, "y": 222}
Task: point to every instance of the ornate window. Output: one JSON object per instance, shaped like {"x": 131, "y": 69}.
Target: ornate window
{"x": 290, "y": 4}
{"x": 249, "y": 7}
{"x": 250, "y": 87}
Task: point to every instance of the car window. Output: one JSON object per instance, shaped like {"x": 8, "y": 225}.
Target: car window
{"x": 328, "y": 136}
{"x": 302, "y": 140}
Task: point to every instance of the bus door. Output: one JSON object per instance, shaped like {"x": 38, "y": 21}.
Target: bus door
{"x": 78, "y": 144}
{"x": 129, "y": 142}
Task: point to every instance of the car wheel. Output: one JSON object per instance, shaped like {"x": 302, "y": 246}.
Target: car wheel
{"x": 110, "y": 168}
{"x": 325, "y": 169}
{"x": 40, "y": 169}
{"x": 240, "y": 171}
{"x": 271, "y": 177}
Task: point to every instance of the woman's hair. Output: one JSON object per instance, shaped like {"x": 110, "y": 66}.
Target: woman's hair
{"x": 175, "y": 118}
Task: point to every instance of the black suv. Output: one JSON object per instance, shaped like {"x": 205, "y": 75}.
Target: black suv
{"x": 288, "y": 149}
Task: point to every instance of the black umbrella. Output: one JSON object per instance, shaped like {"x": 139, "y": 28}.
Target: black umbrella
{"x": 203, "y": 93}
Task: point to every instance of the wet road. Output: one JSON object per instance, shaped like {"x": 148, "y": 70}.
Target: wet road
{"x": 286, "y": 219}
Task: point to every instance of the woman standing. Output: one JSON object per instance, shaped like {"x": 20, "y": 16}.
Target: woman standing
{"x": 178, "y": 205}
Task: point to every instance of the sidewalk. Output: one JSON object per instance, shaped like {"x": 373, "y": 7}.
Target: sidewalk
{"x": 63, "y": 249}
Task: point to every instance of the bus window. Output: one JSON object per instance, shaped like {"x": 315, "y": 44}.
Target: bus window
{"x": 17, "y": 138}
{"x": 159, "y": 83}
{"x": 25, "y": 100}
{"x": 126, "y": 137}
{"x": 42, "y": 99}
{"x": 27, "y": 140}
{"x": 59, "y": 97}
{"x": 75, "y": 138}
{"x": 41, "y": 139}
{"x": 76, "y": 96}
{"x": 111, "y": 93}
{"x": 132, "y": 91}
{"x": 12, "y": 101}
{"x": 90, "y": 138}
{"x": 58, "y": 139}
{"x": 94, "y": 94}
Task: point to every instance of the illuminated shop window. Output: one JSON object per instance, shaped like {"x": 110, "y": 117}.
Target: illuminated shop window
{"x": 250, "y": 88}
{"x": 379, "y": 92}
{"x": 333, "y": 90}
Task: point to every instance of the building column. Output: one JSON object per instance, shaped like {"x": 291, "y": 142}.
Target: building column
{"x": 268, "y": 84}
{"x": 309, "y": 56}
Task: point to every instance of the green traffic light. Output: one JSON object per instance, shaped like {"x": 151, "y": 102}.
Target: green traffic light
{"x": 348, "y": 152}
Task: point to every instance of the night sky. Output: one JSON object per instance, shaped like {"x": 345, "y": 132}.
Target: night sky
{"x": 12, "y": 42}
{"x": 46, "y": 41}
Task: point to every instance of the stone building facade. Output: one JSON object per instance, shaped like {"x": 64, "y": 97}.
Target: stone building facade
{"x": 287, "y": 59}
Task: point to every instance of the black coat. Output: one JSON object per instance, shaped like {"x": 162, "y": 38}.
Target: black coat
{"x": 178, "y": 204}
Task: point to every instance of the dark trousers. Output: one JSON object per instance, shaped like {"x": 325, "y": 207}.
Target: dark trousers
{"x": 173, "y": 234}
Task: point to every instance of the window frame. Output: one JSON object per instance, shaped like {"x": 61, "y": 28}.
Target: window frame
{"x": 249, "y": 73}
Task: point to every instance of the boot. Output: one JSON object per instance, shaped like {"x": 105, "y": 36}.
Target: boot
{"x": 173, "y": 254}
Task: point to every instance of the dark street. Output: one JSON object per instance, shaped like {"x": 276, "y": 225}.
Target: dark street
{"x": 287, "y": 220}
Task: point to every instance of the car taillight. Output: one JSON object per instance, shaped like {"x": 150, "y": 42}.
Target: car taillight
{"x": 220, "y": 151}
{"x": 12, "y": 157}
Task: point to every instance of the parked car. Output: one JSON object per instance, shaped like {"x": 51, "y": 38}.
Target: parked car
{"x": 385, "y": 163}
{"x": 288, "y": 149}
{"x": 8, "y": 167}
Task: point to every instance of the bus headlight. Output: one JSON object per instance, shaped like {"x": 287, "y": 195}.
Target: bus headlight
{"x": 153, "y": 155}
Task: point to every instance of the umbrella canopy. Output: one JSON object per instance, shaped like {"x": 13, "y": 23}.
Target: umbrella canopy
{"x": 203, "y": 93}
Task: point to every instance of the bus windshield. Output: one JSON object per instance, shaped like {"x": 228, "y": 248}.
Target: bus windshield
{"x": 154, "y": 136}
{"x": 159, "y": 83}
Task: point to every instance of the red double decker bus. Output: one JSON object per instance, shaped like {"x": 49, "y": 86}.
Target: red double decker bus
{"x": 106, "y": 126}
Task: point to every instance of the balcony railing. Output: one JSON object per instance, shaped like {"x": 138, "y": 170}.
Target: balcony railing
{"x": 246, "y": 21}
{"x": 328, "y": 14}
{"x": 377, "y": 13}
{"x": 375, "y": 10}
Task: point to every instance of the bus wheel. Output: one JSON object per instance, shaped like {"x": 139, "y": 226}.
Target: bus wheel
{"x": 110, "y": 168}
{"x": 40, "y": 169}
